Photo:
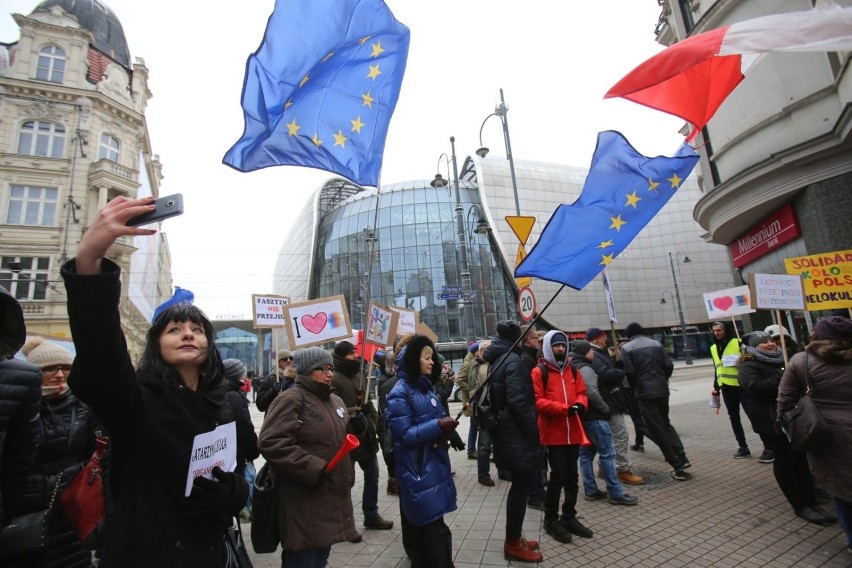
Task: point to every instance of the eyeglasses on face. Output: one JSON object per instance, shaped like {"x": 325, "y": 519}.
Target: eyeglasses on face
{"x": 286, "y": 359}
{"x": 325, "y": 369}
{"x": 53, "y": 369}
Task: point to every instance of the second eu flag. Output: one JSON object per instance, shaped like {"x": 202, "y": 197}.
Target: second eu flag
{"x": 622, "y": 193}
{"x": 321, "y": 89}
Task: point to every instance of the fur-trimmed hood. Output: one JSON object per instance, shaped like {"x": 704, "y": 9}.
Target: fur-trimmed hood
{"x": 832, "y": 350}
{"x": 408, "y": 360}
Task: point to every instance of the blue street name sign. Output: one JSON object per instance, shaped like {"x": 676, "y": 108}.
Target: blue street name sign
{"x": 448, "y": 296}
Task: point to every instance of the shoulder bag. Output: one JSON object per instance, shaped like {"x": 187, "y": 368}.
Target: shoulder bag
{"x": 803, "y": 424}
{"x": 28, "y": 534}
{"x": 236, "y": 555}
{"x": 83, "y": 499}
{"x": 264, "y": 513}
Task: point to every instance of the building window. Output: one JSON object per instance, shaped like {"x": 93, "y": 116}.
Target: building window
{"x": 108, "y": 148}
{"x": 51, "y": 64}
{"x": 32, "y": 205}
{"x": 25, "y": 277}
{"x": 42, "y": 139}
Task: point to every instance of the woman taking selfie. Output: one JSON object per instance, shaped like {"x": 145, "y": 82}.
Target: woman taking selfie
{"x": 153, "y": 413}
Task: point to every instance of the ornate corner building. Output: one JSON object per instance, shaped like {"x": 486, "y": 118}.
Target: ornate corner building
{"x": 776, "y": 159}
{"x": 73, "y": 136}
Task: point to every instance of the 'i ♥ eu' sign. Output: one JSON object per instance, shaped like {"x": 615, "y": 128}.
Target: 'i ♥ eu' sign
{"x": 729, "y": 302}
{"x": 317, "y": 321}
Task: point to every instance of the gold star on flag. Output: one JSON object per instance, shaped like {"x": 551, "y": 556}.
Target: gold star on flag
{"x": 374, "y": 72}
{"x": 316, "y": 139}
{"x": 327, "y": 57}
{"x": 368, "y": 100}
{"x": 604, "y": 244}
{"x": 293, "y": 128}
{"x": 652, "y": 185}
{"x": 364, "y": 39}
{"x": 606, "y": 259}
{"x": 356, "y": 124}
{"x": 377, "y": 49}
{"x": 340, "y": 139}
{"x": 288, "y": 104}
{"x": 617, "y": 222}
{"x": 304, "y": 80}
{"x": 632, "y": 199}
{"x": 675, "y": 181}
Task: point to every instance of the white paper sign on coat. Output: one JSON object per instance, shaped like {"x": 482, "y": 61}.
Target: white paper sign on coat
{"x": 217, "y": 448}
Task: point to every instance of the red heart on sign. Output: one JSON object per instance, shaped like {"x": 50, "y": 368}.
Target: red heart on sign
{"x": 315, "y": 324}
{"x": 723, "y": 303}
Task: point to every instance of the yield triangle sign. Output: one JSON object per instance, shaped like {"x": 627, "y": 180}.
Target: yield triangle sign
{"x": 521, "y": 226}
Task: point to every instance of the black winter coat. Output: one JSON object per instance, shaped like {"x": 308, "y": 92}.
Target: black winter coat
{"x": 152, "y": 425}
{"x": 20, "y": 434}
{"x": 647, "y": 366}
{"x": 20, "y": 397}
{"x": 611, "y": 381}
{"x": 246, "y": 437}
{"x": 760, "y": 380}
{"x": 68, "y": 432}
{"x": 515, "y": 437}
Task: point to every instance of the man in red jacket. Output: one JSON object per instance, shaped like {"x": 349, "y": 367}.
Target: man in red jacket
{"x": 560, "y": 399}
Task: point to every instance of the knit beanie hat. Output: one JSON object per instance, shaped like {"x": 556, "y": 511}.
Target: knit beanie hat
{"x": 633, "y": 329}
{"x": 43, "y": 353}
{"x": 593, "y": 333}
{"x": 559, "y": 338}
{"x": 833, "y": 327}
{"x": 474, "y": 347}
{"x": 757, "y": 337}
{"x": 581, "y": 347}
{"x": 509, "y": 330}
{"x": 234, "y": 368}
{"x": 310, "y": 358}
{"x": 343, "y": 349}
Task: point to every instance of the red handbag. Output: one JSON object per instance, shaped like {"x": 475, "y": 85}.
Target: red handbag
{"x": 83, "y": 499}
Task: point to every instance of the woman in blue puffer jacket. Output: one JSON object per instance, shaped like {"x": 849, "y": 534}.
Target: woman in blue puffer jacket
{"x": 421, "y": 430}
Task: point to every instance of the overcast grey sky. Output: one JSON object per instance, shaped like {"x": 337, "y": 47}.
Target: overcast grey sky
{"x": 554, "y": 59}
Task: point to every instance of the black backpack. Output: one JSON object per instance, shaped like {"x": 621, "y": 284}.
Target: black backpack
{"x": 484, "y": 409}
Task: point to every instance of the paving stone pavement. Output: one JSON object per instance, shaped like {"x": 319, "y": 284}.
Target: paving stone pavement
{"x": 730, "y": 514}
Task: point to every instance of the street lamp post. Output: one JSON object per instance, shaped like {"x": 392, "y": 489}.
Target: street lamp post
{"x": 470, "y": 332}
{"x": 502, "y": 110}
{"x": 687, "y": 351}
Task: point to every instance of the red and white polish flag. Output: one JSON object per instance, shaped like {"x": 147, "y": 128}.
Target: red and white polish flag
{"x": 693, "y": 77}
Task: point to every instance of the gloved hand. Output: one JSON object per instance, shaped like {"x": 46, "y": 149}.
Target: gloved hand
{"x": 576, "y": 408}
{"x": 226, "y": 495}
{"x": 456, "y": 442}
{"x": 447, "y": 425}
{"x": 357, "y": 423}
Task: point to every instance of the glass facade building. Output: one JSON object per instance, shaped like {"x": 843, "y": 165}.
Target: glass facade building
{"x": 401, "y": 248}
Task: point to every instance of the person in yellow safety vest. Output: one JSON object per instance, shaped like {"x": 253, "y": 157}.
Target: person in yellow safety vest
{"x": 726, "y": 352}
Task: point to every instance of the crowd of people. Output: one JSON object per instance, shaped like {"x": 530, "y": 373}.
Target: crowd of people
{"x": 558, "y": 407}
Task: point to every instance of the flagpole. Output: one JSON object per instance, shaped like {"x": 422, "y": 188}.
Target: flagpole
{"x": 368, "y": 276}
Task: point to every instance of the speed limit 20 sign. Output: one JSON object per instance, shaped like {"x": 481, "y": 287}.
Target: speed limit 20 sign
{"x": 526, "y": 303}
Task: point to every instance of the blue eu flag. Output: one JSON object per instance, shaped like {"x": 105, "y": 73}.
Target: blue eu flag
{"x": 321, "y": 89}
{"x": 622, "y": 193}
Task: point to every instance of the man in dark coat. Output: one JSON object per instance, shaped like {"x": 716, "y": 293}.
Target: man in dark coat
{"x": 363, "y": 420}
{"x": 648, "y": 369}
{"x": 274, "y": 384}
{"x": 611, "y": 381}
{"x": 20, "y": 398}
{"x": 515, "y": 437}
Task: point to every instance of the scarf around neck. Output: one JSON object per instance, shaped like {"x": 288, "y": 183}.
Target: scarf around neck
{"x": 775, "y": 358}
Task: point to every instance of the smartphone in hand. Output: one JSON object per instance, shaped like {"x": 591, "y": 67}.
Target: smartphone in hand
{"x": 168, "y": 206}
